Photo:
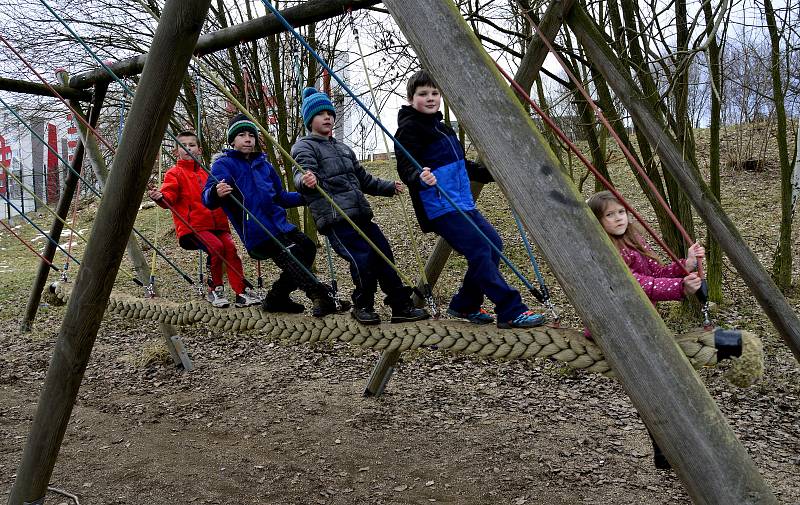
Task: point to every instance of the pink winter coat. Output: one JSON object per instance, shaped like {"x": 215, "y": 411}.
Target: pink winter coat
{"x": 659, "y": 282}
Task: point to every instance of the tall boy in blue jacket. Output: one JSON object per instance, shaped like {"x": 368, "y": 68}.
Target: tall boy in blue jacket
{"x": 248, "y": 176}
{"x": 435, "y": 147}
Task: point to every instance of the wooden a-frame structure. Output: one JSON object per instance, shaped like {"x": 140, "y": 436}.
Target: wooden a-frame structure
{"x": 669, "y": 396}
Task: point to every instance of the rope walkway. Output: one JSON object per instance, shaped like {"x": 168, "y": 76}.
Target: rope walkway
{"x": 562, "y": 344}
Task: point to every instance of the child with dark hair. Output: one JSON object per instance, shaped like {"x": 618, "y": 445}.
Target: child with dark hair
{"x": 436, "y": 148}
{"x": 245, "y": 174}
{"x": 200, "y": 228}
{"x": 334, "y": 167}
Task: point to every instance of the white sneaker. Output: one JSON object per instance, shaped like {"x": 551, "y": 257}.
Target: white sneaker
{"x": 247, "y": 299}
{"x": 217, "y": 298}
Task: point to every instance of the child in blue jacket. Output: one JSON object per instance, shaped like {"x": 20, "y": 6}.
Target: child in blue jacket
{"x": 435, "y": 147}
{"x": 248, "y": 176}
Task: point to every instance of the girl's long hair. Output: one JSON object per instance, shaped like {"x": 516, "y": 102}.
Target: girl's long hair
{"x": 632, "y": 238}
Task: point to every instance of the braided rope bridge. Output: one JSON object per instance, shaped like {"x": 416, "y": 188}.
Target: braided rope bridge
{"x": 565, "y": 345}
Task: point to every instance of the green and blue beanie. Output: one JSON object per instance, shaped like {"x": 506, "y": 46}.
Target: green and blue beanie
{"x": 241, "y": 123}
{"x": 315, "y": 102}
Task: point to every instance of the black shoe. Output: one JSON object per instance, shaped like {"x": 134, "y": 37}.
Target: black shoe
{"x": 408, "y": 313}
{"x": 324, "y": 306}
{"x": 366, "y": 316}
{"x": 275, "y": 304}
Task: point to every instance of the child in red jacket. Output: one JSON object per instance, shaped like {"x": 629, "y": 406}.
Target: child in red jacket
{"x": 206, "y": 229}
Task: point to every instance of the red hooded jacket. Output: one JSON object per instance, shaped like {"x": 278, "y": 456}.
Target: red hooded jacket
{"x": 182, "y": 189}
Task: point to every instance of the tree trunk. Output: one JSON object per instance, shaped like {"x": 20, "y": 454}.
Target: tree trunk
{"x": 714, "y": 253}
{"x": 782, "y": 260}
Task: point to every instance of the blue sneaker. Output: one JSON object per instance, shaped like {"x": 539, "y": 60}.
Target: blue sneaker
{"x": 525, "y": 320}
{"x": 479, "y": 317}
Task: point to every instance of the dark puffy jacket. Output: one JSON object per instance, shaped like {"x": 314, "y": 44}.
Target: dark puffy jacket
{"x": 256, "y": 185}
{"x": 182, "y": 189}
{"x": 434, "y": 144}
{"x": 341, "y": 175}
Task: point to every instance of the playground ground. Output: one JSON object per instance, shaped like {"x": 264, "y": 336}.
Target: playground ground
{"x": 258, "y": 422}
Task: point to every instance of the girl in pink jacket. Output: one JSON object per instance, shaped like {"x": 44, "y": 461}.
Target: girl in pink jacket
{"x": 659, "y": 282}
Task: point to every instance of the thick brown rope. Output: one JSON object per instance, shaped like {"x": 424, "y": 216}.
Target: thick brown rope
{"x": 562, "y": 344}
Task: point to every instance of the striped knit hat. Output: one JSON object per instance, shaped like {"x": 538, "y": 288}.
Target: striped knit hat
{"x": 241, "y": 123}
{"x": 315, "y": 102}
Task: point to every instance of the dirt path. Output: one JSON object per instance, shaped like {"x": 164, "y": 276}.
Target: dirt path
{"x": 262, "y": 423}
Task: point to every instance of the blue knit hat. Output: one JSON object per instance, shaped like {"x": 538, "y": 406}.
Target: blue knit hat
{"x": 315, "y": 102}
{"x": 241, "y": 123}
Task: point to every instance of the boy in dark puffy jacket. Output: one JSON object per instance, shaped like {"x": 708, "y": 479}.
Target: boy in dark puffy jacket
{"x": 334, "y": 167}
{"x": 248, "y": 176}
{"x": 200, "y": 228}
{"x": 435, "y": 147}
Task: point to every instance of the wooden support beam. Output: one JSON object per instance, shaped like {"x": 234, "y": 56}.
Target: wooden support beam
{"x": 172, "y": 47}
{"x": 708, "y": 207}
{"x": 672, "y": 401}
{"x": 62, "y": 210}
{"x": 303, "y": 14}
{"x": 35, "y": 88}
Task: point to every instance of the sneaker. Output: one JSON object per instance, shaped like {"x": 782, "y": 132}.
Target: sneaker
{"x": 366, "y": 316}
{"x": 525, "y": 320}
{"x": 324, "y": 306}
{"x": 217, "y": 298}
{"x": 247, "y": 299}
{"x": 408, "y": 313}
{"x": 280, "y": 304}
{"x": 479, "y": 317}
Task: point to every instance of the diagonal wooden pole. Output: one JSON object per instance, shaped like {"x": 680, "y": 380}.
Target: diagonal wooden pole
{"x": 171, "y": 49}
{"x": 62, "y": 209}
{"x": 708, "y": 207}
{"x": 673, "y": 402}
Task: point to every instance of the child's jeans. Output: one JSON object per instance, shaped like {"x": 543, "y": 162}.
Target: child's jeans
{"x": 367, "y": 268}
{"x": 483, "y": 275}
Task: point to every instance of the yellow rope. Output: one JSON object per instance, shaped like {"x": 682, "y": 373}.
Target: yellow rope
{"x": 401, "y": 198}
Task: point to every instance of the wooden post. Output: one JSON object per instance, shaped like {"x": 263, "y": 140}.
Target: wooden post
{"x": 35, "y": 88}
{"x": 662, "y": 385}
{"x": 61, "y": 210}
{"x": 171, "y": 49}
{"x": 708, "y": 207}
{"x": 302, "y": 14}
{"x": 381, "y": 373}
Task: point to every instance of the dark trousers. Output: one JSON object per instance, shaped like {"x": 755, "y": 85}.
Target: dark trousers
{"x": 483, "y": 274}
{"x": 366, "y": 267}
{"x": 298, "y": 249}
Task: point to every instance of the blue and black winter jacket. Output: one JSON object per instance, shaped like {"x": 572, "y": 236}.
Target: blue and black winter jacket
{"x": 434, "y": 144}
{"x": 257, "y": 185}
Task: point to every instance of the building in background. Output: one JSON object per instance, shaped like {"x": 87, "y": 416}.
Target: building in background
{"x": 32, "y": 162}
